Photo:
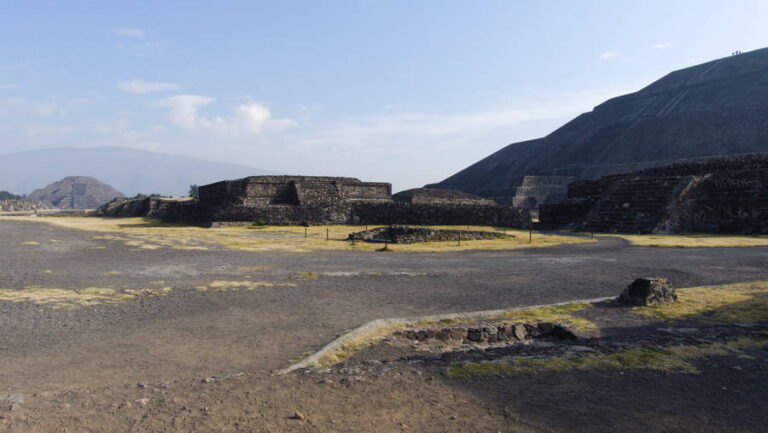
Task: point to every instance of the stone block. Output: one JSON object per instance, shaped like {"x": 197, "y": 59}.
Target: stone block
{"x": 648, "y": 292}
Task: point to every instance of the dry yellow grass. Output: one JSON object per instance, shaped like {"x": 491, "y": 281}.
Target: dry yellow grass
{"x": 141, "y": 234}
{"x": 358, "y": 342}
{"x": 729, "y": 303}
{"x": 223, "y": 286}
{"x": 556, "y": 313}
{"x": 552, "y": 313}
{"x": 695, "y": 240}
{"x": 672, "y": 359}
{"x": 74, "y": 298}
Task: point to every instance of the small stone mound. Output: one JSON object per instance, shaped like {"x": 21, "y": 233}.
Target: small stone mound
{"x": 648, "y": 292}
{"x": 410, "y": 235}
{"x": 490, "y": 334}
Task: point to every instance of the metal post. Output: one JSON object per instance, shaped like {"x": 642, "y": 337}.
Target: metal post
{"x": 305, "y": 232}
{"x": 530, "y": 231}
{"x": 459, "y": 239}
{"x": 327, "y": 234}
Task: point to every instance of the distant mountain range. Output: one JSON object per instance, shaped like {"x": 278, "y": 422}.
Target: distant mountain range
{"x": 130, "y": 171}
{"x": 713, "y": 109}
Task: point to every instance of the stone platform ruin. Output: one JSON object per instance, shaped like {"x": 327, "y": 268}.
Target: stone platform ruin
{"x": 719, "y": 195}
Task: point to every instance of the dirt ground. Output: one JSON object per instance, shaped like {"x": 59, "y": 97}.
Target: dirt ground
{"x": 108, "y": 337}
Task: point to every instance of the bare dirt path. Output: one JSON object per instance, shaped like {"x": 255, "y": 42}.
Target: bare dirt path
{"x": 277, "y": 306}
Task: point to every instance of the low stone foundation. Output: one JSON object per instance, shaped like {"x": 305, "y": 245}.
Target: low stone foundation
{"x": 410, "y": 235}
{"x": 438, "y": 214}
{"x": 490, "y": 334}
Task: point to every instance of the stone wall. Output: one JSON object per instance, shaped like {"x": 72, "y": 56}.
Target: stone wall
{"x": 162, "y": 208}
{"x": 538, "y": 190}
{"x": 725, "y": 202}
{"x": 291, "y": 190}
{"x": 437, "y": 214}
{"x": 563, "y": 214}
{"x": 440, "y": 196}
{"x": 720, "y": 195}
{"x": 296, "y": 200}
{"x": 21, "y": 205}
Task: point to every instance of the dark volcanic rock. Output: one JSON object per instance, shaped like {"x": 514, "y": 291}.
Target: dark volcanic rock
{"x": 76, "y": 192}
{"x": 648, "y": 291}
{"x": 712, "y": 109}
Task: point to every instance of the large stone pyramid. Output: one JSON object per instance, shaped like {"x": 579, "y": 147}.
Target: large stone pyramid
{"x": 76, "y": 192}
{"x": 712, "y": 109}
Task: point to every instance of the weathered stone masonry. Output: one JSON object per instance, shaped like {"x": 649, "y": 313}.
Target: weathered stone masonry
{"x": 322, "y": 200}
{"x": 288, "y": 199}
{"x": 721, "y": 195}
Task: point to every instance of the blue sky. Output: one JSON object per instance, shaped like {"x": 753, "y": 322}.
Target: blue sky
{"x": 401, "y": 91}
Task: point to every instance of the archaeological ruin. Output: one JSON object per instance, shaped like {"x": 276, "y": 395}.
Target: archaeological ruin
{"x": 712, "y": 109}
{"x": 75, "y": 192}
{"x": 21, "y": 205}
{"x": 720, "y": 195}
{"x": 440, "y": 196}
{"x": 297, "y": 200}
{"x": 395, "y": 234}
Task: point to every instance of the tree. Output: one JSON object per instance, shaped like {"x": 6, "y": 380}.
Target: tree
{"x": 193, "y": 191}
{"x": 140, "y": 195}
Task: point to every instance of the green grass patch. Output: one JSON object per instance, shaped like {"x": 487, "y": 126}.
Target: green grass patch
{"x": 308, "y": 275}
{"x": 728, "y": 303}
{"x": 556, "y": 313}
{"x": 694, "y": 240}
{"x": 671, "y": 359}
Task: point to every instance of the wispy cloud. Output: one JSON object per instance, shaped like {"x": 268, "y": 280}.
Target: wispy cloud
{"x": 8, "y": 86}
{"x": 132, "y": 33}
{"x": 49, "y": 130}
{"x": 47, "y": 109}
{"x": 250, "y": 118}
{"x": 609, "y": 55}
{"x": 142, "y": 87}
{"x": 409, "y": 128}
{"x": 661, "y": 45}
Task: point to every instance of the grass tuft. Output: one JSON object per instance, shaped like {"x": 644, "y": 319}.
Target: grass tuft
{"x": 358, "y": 342}
{"x": 556, "y": 313}
{"x": 308, "y": 275}
{"x": 729, "y": 303}
{"x": 223, "y": 286}
{"x": 671, "y": 359}
{"x": 694, "y": 240}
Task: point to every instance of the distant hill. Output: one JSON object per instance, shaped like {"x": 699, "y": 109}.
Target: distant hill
{"x": 128, "y": 170}
{"x": 75, "y": 192}
{"x": 712, "y": 109}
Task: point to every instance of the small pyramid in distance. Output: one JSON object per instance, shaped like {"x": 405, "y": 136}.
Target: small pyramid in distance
{"x": 76, "y": 192}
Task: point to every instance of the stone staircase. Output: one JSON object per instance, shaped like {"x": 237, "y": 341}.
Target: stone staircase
{"x": 636, "y": 205}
